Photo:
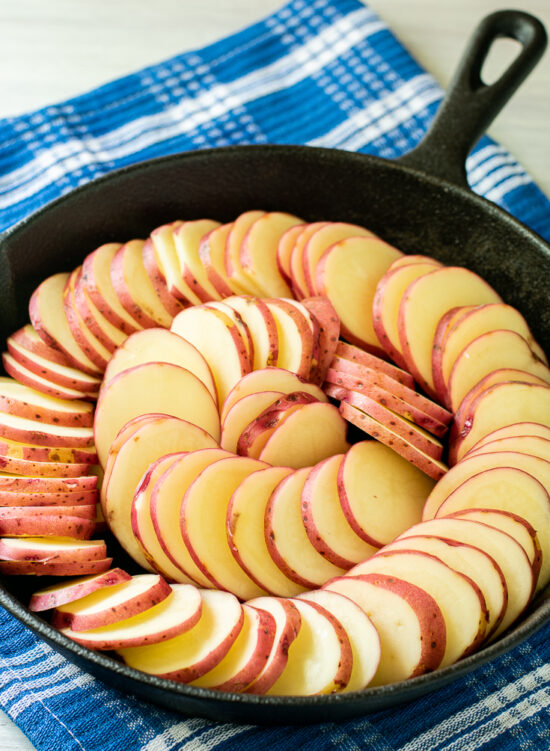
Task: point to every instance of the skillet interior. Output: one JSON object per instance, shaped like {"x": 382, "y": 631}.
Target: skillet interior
{"x": 415, "y": 212}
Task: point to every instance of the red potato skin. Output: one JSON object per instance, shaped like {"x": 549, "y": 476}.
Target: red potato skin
{"x": 306, "y": 335}
{"x": 41, "y": 601}
{"x": 30, "y": 484}
{"x": 77, "y": 382}
{"x": 43, "y": 438}
{"x": 328, "y": 321}
{"x": 386, "y": 418}
{"x": 270, "y": 418}
{"x": 90, "y": 318}
{"x": 443, "y": 328}
{"x": 47, "y": 453}
{"x": 430, "y": 618}
{"x": 21, "y": 499}
{"x": 76, "y": 419}
{"x": 279, "y": 652}
{"x": 271, "y": 329}
{"x": 358, "y": 355}
{"x": 215, "y": 279}
{"x": 36, "y": 345}
{"x": 400, "y": 446}
{"x": 26, "y": 553}
{"x": 284, "y": 250}
{"x": 172, "y": 304}
{"x": 123, "y": 291}
{"x": 132, "y": 606}
{"x": 79, "y": 330}
{"x": 42, "y": 469}
{"x": 26, "y": 377}
{"x": 260, "y": 656}
{"x": 52, "y": 568}
{"x": 58, "y": 525}
{"x": 369, "y": 387}
{"x": 81, "y": 511}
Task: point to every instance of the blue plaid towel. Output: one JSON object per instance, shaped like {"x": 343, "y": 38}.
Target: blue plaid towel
{"x": 337, "y": 59}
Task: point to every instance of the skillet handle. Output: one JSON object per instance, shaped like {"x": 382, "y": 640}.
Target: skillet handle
{"x": 470, "y": 105}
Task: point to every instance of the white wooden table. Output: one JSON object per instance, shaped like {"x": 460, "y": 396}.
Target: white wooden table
{"x": 60, "y": 48}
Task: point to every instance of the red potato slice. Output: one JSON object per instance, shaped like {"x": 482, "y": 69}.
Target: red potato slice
{"x": 471, "y": 561}
{"x": 30, "y": 484}
{"x": 36, "y": 432}
{"x": 328, "y": 324}
{"x": 247, "y": 655}
{"x": 506, "y": 489}
{"x": 245, "y": 531}
{"x": 433, "y": 468}
{"x": 508, "y": 554}
{"x": 165, "y": 505}
{"x": 108, "y": 334}
{"x": 287, "y": 626}
{"x": 446, "y": 324}
{"x": 284, "y": 252}
{"x": 286, "y": 537}
{"x": 90, "y": 345}
{"x": 369, "y": 386}
{"x": 238, "y": 278}
{"x": 258, "y": 252}
{"x": 54, "y": 568}
{"x": 58, "y": 550}
{"x": 415, "y": 435}
{"x": 23, "y": 401}
{"x": 128, "y": 459}
{"x": 242, "y": 413}
{"x": 359, "y": 356}
{"x": 296, "y": 269}
{"x": 499, "y": 405}
{"x": 317, "y": 243}
{"x": 176, "y": 614}
{"x": 307, "y": 435}
{"x": 218, "y": 339}
{"x": 58, "y": 525}
{"x": 160, "y": 345}
{"x": 261, "y": 326}
{"x": 381, "y": 494}
{"x": 270, "y": 379}
{"x": 203, "y": 524}
{"x": 256, "y": 434}
{"x": 362, "y": 634}
{"x": 166, "y": 256}
{"x": 28, "y": 338}
{"x": 29, "y": 468}
{"x": 212, "y": 258}
{"x": 515, "y": 430}
{"x": 525, "y": 444}
{"x": 408, "y": 620}
{"x": 407, "y": 260}
{"x": 61, "y": 375}
{"x": 134, "y": 288}
{"x": 96, "y": 278}
{"x": 198, "y": 649}
{"x": 75, "y": 589}
{"x": 424, "y": 302}
{"x": 514, "y": 525}
{"x": 458, "y": 597}
{"x": 320, "y": 659}
{"x": 33, "y": 452}
{"x": 47, "y": 314}
{"x": 142, "y": 523}
{"x": 294, "y": 335}
{"x": 324, "y": 519}
{"x": 157, "y": 279}
{"x": 153, "y": 387}
{"x": 81, "y": 510}
{"x": 37, "y": 383}
{"x": 387, "y": 299}
{"x": 113, "y": 604}
{"x": 187, "y": 238}
{"x": 237, "y": 320}
{"x": 347, "y": 274}
{"x": 10, "y": 499}
{"x": 313, "y": 324}
{"x": 473, "y": 323}
{"x": 488, "y": 353}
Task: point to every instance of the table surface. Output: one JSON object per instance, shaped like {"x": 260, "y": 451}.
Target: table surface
{"x": 82, "y": 45}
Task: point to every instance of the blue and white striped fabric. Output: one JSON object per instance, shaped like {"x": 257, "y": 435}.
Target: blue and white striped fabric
{"x": 336, "y": 59}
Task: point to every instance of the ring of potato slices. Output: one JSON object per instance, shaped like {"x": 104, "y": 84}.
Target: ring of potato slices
{"x": 261, "y": 449}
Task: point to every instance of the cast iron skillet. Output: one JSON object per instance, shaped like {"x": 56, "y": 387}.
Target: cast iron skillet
{"x": 421, "y": 203}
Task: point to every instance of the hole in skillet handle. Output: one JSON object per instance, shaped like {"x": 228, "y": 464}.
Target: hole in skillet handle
{"x": 470, "y": 105}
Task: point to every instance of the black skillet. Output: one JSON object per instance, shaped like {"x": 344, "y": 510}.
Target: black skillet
{"x": 421, "y": 203}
